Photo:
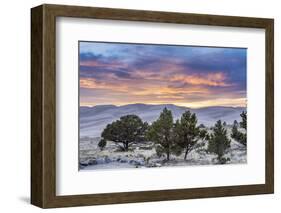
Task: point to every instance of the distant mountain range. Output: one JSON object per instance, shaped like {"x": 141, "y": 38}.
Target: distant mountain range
{"x": 94, "y": 119}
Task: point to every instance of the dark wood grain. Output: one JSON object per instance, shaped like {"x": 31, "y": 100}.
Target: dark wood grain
{"x": 43, "y": 105}
{"x": 269, "y": 106}
{"x": 36, "y": 106}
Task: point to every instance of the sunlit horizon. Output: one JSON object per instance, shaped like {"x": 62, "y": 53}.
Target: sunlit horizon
{"x": 188, "y": 105}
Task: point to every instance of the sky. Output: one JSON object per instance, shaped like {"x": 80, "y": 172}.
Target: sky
{"x": 191, "y": 76}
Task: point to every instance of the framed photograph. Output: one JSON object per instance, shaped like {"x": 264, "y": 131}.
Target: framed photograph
{"x": 136, "y": 106}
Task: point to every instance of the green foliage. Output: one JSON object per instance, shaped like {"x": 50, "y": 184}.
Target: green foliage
{"x": 169, "y": 138}
{"x": 238, "y": 135}
{"x": 102, "y": 144}
{"x": 161, "y": 133}
{"x": 219, "y": 142}
{"x": 242, "y": 138}
{"x": 234, "y": 131}
{"x": 204, "y": 135}
{"x": 243, "y": 123}
{"x": 187, "y": 133}
{"x": 125, "y": 131}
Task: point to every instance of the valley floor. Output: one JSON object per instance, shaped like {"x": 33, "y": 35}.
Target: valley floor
{"x": 144, "y": 156}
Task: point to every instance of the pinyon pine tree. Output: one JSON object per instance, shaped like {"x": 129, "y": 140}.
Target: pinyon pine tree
{"x": 125, "y": 131}
{"x": 102, "y": 144}
{"x": 161, "y": 133}
{"x": 234, "y": 131}
{"x": 243, "y": 125}
{"x": 238, "y": 135}
{"x": 187, "y": 133}
{"x": 219, "y": 142}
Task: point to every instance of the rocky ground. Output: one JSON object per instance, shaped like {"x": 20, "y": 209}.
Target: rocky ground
{"x": 144, "y": 155}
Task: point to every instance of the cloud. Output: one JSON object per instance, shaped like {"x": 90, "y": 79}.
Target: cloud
{"x": 90, "y": 83}
{"x": 89, "y": 56}
{"x": 210, "y": 79}
{"x": 127, "y": 73}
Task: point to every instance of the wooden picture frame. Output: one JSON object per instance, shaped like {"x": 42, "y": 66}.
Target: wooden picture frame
{"x": 43, "y": 105}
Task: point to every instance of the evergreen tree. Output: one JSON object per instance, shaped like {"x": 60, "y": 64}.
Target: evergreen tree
{"x": 234, "y": 131}
{"x": 125, "y": 131}
{"x": 161, "y": 133}
{"x": 187, "y": 133}
{"x": 242, "y": 138}
{"x": 102, "y": 144}
{"x": 243, "y": 123}
{"x": 219, "y": 142}
{"x": 204, "y": 134}
{"x": 238, "y": 135}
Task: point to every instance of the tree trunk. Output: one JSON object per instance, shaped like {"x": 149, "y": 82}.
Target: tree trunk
{"x": 220, "y": 158}
{"x": 186, "y": 148}
{"x": 127, "y": 146}
{"x": 168, "y": 156}
{"x": 186, "y": 152}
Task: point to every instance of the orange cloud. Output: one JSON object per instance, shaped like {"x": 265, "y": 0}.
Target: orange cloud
{"x": 210, "y": 79}
{"x": 196, "y": 94}
{"x": 152, "y": 90}
{"x": 91, "y": 83}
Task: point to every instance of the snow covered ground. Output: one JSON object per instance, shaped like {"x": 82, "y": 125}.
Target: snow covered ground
{"x": 94, "y": 119}
{"x": 144, "y": 155}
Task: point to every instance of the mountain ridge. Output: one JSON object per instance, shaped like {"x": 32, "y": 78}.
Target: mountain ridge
{"x": 112, "y": 105}
{"x": 93, "y": 119}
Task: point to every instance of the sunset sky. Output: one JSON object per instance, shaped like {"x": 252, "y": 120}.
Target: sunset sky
{"x": 119, "y": 74}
